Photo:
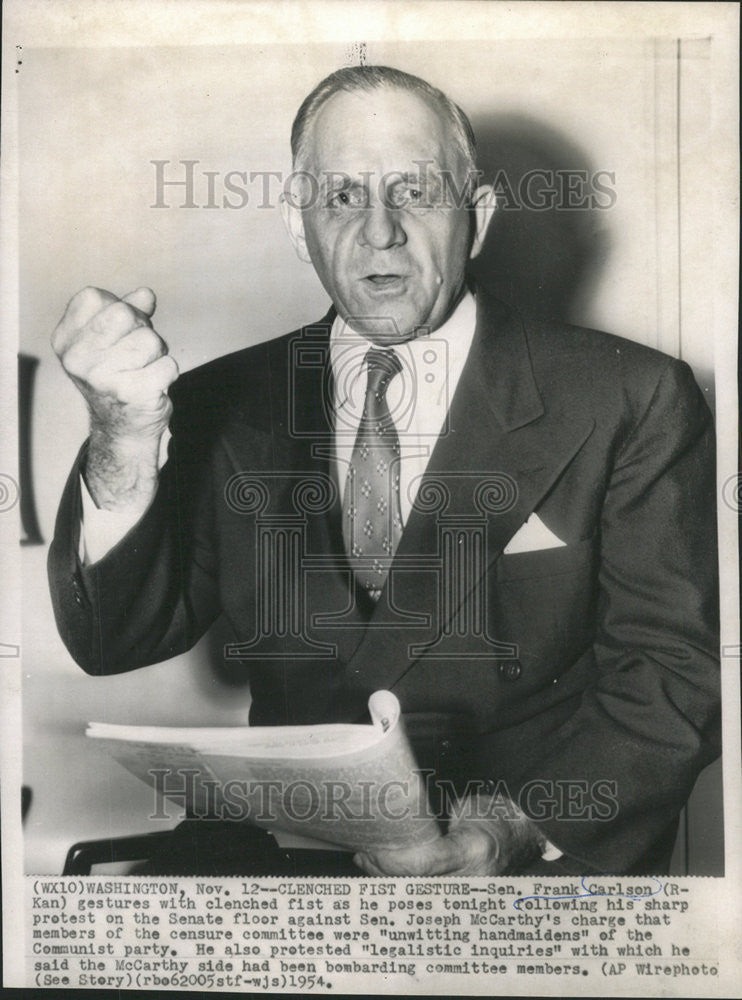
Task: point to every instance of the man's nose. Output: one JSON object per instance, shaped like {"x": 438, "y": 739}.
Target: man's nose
{"x": 381, "y": 228}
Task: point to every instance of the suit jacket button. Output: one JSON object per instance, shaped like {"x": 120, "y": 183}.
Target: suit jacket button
{"x": 509, "y": 670}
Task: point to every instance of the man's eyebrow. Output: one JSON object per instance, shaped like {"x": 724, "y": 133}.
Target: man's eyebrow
{"x": 337, "y": 180}
{"x": 414, "y": 176}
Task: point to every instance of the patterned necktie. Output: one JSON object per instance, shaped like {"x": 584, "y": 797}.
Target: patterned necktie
{"x": 372, "y": 517}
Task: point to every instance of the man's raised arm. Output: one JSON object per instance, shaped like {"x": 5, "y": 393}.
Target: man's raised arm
{"x": 140, "y": 589}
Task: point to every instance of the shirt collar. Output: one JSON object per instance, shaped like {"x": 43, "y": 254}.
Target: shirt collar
{"x": 348, "y": 348}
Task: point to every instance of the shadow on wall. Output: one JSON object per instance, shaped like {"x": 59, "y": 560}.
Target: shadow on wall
{"x": 549, "y": 240}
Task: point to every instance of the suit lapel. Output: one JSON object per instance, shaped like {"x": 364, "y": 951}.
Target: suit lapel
{"x": 293, "y": 460}
{"x": 501, "y": 454}
{"x": 332, "y": 611}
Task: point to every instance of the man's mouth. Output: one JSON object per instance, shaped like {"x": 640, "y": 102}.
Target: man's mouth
{"x": 383, "y": 282}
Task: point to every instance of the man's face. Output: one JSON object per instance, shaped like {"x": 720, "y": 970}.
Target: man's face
{"x": 383, "y": 228}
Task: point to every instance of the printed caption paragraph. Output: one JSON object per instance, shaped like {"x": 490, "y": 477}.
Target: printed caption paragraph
{"x": 315, "y": 935}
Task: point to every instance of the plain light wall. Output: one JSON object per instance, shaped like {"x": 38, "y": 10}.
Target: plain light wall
{"x": 92, "y": 120}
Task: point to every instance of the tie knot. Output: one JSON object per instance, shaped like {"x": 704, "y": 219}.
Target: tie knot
{"x": 382, "y": 367}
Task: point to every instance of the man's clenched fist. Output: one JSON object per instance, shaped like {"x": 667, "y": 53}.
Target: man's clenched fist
{"x": 121, "y": 366}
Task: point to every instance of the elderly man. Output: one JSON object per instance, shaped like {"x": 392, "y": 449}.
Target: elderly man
{"x": 517, "y": 531}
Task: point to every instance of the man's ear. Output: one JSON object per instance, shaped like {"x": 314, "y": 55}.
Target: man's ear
{"x": 294, "y": 222}
{"x": 483, "y": 205}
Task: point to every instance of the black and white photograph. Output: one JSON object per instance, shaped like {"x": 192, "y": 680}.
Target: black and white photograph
{"x": 374, "y": 625}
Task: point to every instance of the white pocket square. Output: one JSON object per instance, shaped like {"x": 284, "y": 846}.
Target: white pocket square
{"x": 532, "y": 536}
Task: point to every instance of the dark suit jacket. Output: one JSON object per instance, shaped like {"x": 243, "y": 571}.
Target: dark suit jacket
{"x": 584, "y": 678}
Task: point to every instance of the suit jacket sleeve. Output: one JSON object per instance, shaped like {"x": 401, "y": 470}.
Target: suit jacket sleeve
{"x": 649, "y": 720}
{"x": 154, "y": 594}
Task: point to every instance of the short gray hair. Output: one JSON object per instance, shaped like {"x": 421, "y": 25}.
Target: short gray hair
{"x": 360, "y": 78}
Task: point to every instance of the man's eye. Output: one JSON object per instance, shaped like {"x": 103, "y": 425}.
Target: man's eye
{"x": 409, "y": 196}
{"x": 346, "y": 199}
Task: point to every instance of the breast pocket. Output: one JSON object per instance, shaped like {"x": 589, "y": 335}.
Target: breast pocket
{"x": 559, "y": 561}
{"x": 544, "y": 602}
